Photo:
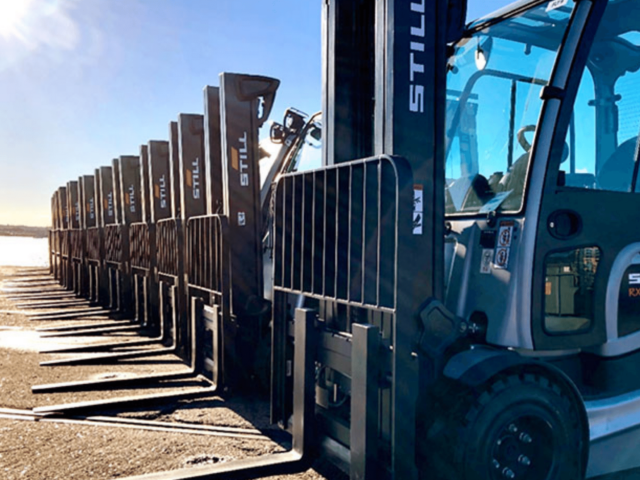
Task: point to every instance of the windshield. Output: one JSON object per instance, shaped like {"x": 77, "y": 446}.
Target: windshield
{"x": 603, "y": 133}
{"x": 493, "y": 102}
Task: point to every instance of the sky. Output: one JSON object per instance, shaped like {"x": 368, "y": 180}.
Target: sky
{"x": 85, "y": 81}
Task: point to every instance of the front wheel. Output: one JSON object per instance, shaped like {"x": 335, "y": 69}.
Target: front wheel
{"x": 519, "y": 427}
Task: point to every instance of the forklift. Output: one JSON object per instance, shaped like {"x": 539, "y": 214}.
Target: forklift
{"x": 462, "y": 303}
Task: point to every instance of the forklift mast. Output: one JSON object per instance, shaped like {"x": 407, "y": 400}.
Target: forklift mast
{"x": 241, "y": 118}
{"x": 145, "y": 189}
{"x": 107, "y": 195}
{"x": 405, "y": 74}
{"x": 212, "y": 149}
{"x": 159, "y": 177}
{"x": 88, "y": 201}
{"x": 130, "y": 191}
{"x": 174, "y": 173}
{"x": 409, "y": 117}
{"x": 348, "y": 34}
{"x": 62, "y": 207}
{"x": 73, "y": 205}
{"x": 193, "y": 183}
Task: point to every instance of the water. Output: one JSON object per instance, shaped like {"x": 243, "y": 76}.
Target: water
{"x": 24, "y": 252}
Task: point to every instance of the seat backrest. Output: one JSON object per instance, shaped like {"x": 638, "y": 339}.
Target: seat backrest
{"x": 616, "y": 173}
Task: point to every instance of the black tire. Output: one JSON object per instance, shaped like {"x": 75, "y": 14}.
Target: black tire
{"x": 520, "y": 427}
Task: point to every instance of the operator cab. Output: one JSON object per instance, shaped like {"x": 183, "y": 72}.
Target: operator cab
{"x": 542, "y": 197}
{"x": 307, "y": 152}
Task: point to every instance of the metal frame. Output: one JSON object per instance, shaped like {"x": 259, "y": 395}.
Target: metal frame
{"x": 352, "y": 261}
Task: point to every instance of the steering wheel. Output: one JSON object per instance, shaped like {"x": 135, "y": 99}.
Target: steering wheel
{"x": 524, "y": 143}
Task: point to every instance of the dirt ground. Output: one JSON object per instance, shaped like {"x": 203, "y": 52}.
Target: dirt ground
{"x": 148, "y": 438}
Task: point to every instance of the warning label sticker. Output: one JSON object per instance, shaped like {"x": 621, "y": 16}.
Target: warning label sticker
{"x": 418, "y": 209}
{"x": 502, "y": 257}
{"x": 505, "y": 234}
{"x": 485, "y": 263}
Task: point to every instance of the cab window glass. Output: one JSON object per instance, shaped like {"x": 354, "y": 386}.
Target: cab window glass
{"x": 578, "y": 161}
{"x": 600, "y": 147}
{"x": 569, "y": 290}
{"x": 494, "y": 81}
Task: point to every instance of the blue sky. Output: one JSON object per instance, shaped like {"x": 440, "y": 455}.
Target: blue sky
{"x": 84, "y": 81}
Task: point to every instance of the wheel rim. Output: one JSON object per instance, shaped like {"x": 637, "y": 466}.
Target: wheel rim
{"x": 523, "y": 449}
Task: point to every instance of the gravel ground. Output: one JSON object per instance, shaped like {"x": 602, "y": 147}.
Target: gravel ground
{"x": 51, "y": 448}
{"x": 93, "y": 447}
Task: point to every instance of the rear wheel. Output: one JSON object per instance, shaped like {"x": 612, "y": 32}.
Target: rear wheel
{"x": 519, "y": 427}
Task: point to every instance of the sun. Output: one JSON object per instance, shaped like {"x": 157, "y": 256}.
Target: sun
{"x": 12, "y": 15}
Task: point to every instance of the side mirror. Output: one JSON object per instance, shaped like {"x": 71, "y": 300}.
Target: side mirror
{"x": 277, "y": 133}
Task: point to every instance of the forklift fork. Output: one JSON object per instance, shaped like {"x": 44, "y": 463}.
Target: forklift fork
{"x": 195, "y": 368}
{"x": 115, "y": 356}
{"x": 304, "y": 437}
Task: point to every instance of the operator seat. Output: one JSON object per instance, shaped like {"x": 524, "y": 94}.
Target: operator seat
{"x": 616, "y": 173}
{"x": 514, "y": 179}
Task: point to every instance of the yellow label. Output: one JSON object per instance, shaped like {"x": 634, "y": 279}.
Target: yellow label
{"x": 234, "y": 158}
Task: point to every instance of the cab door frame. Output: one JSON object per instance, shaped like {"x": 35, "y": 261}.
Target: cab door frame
{"x": 590, "y": 208}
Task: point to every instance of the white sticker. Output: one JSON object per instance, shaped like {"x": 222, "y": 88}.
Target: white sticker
{"x": 485, "y": 263}
{"x": 555, "y": 4}
{"x": 241, "y": 219}
{"x": 418, "y": 209}
{"x": 505, "y": 234}
{"x": 502, "y": 257}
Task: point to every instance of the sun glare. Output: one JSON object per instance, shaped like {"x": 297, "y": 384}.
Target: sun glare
{"x": 12, "y": 14}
